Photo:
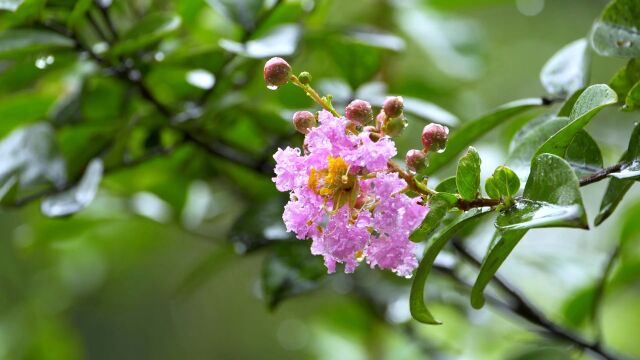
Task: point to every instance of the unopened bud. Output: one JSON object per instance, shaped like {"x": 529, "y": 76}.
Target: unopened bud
{"x": 303, "y": 121}
{"x": 416, "y": 160}
{"x": 434, "y": 137}
{"x": 304, "y": 77}
{"x": 359, "y": 111}
{"x": 276, "y": 72}
{"x": 395, "y": 126}
{"x": 393, "y": 106}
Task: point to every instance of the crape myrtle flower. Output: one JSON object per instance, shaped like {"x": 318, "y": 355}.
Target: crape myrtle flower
{"x": 346, "y": 200}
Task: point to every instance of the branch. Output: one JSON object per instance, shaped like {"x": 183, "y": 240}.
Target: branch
{"x": 526, "y": 310}
{"x": 601, "y": 175}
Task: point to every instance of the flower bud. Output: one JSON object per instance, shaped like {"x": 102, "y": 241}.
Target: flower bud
{"x": 359, "y": 112}
{"x": 434, "y": 137}
{"x": 381, "y": 119}
{"x": 393, "y": 106}
{"x": 395, "y": 126}
{"x": 276, "y": 72}
{"x": 303, "y": 121}
{"x": 416, "y": 160}
{"x": 304, "y": 77}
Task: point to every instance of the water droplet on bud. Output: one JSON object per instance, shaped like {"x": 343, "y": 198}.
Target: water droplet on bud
{"x": 272, "y": 87}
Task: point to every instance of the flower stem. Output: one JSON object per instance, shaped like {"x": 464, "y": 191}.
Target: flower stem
{"x": 315, "y": 96}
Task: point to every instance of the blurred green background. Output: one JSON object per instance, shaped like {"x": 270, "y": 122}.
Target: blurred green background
{"x": 168, "y": 261}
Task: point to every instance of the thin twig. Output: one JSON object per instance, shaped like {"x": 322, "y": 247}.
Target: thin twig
{"x": 530, "y": 312}
{"x": 602, "y": 174}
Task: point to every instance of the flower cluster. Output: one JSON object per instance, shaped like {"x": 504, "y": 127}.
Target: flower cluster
{"x": 346, "y": 194}
{"x": 344, "y": 198}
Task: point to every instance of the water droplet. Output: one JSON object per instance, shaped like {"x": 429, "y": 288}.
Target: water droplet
{"x": 408, "y": 276}
{"x": 43, "y": 62}
{"x": 440, "y": 151}
{"x": 200, "y": 78}
{"x": 623, "y": 43}
{"x": 272, "y": 87}
{"x": 159, "y": 56}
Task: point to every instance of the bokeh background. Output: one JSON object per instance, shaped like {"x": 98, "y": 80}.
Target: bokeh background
{"x": 173, "y": 257}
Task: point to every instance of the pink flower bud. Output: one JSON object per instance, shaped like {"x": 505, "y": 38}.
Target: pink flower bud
{"x": 416, "y": 160}
{"x": 393, "y": 106}
{"x": 434, "y": 137}
{"x": 303, "y": 121}
{"x": 276, "y": 72}
{"x": 359, "y": 111}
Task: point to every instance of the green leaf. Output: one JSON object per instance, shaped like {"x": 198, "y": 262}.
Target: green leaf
{"x": 472, "y": 130}
{"x": 504, "y": 183}
{"x": 551, "y": 199}
{"x": 617, "y": 188}
{"x": 448, "y": 185}
{"x": 31, "y": 154}
{"x": 78, "y": 197}
{"x": 417, "y": 306}
{"x": 243, "y": 12}
{"x": 10, "y": 5}
{"x": 147, "y": 31}
{"x": 290, "y": 270}
{"x": 583, "y": 154}
{"x": 632, "y": 102}
{"x": 281, "y": 41}
{"x": 468, "y": 174}
{"x": 18, "y": 42}
{"x": 626, "y": 78}
{"x": 439, "y": 205}
{"x": 568, "y": 70}
{"x": 616, "y": 32}
{"x": 81, "y": 7}
{"x": 568, "y": 105}
{"x": 592, "y": 100}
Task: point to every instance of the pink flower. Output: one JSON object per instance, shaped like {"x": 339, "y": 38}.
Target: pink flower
{"x": 344, "y": 198}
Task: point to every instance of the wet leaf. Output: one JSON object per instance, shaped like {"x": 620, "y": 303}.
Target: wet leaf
{"x": 626, "y": 78}
{"x": 468, "y": 174}
{"x": 439, "y": 205}
{"x": 504, "y": 183}
{"x": 10, "y": 5}
{"x": 551, "y": 198}
{"x": 448, "y": 185}
{"x": 568, "y": 70}
{"x": 417, "y": 305}
{"x": 243, "y": 12}
{"x": 590, "y": 102}
{"x": 79, "y": 10}
{"x": 148, "y": 30}
{"x": 18, "y": 42}
{"x": 79, "y": 196}
{"x": 281, "y": 41}
{"x": 615, "y": 33}
{"x": 583, "y": 154}
{"x": 617, "y": 188}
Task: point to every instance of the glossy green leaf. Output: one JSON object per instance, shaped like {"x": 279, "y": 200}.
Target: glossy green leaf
{"x": 617, "y": 188}
{"x": 147, "y": 31}
{"x": 473, "y": 130}
{"x": 590, "y": 102}
{"x": 78, "y": 197}
{"x": 568, "y": 70}
{"x": 439, "y": 205}
{"x": 615, "y": 33}
{"x": 468, "y": 174}
{"x": 79, "y": 10}
{"x": 626, "y": 78}
{"x": 583, "y": 154}
{"x": 632, "y": 101}
{"x": 551, "y": 198}
{"x": 567, "y": 106}
{"x": 31, "y": 154}
{"x": 504, "y": 183}
{"x": 290, "y": 270}
{"x": 243, "y": 12}
{"x": 10, "y": 5}
{"x": 417, "y": 305}
{"x": 18, "y": 42}
{"x": 448, "y": 185}
{"x": 281, "y": 41}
